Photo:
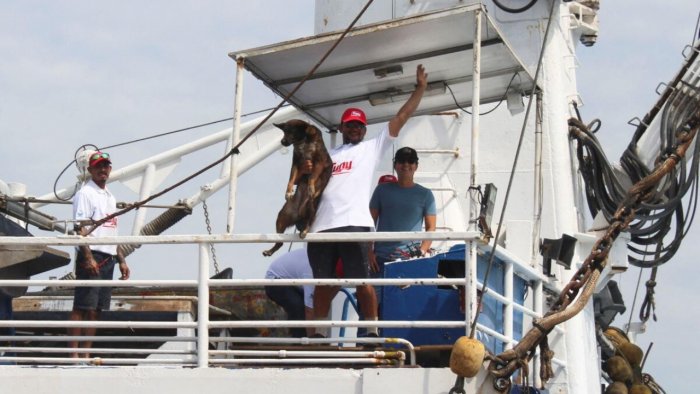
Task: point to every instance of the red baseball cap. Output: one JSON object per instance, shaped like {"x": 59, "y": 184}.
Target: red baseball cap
{"x": 356, "y": 114}
{"x": 387, "y": 179}
{"x": 98, "y": 157}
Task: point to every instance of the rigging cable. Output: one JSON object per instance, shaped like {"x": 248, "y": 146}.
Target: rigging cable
{"x": 662, "y": 218}
{"x": 234, "y": 150}
{"x": 485, "y": 282}
{"x": 503, "y": 98}
{"x": 77, "y": 184}
{"x": 185, "y": 129}
{"x": 514, "y": 10}
{"x": 55, "y": 184}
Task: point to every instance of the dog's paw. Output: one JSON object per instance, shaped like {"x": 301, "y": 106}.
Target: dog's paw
{"x": 267, "y": 253}
{"x": 303, "y": 233}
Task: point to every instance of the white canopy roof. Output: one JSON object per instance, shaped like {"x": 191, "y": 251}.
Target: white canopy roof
{"x": 374, "y": 66}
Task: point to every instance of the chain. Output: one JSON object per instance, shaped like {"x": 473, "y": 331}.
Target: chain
{"x": 458, "y": 387}
{"x": 506, "y": 363}
{"x": 211, "y": 245}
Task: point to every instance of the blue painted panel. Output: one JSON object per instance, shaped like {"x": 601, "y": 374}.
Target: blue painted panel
{"x": 433, "y": 303}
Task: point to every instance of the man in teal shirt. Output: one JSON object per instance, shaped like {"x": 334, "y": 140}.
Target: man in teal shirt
{"x": 401, "y": 206}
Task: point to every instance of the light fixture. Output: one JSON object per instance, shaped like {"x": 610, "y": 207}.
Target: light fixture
{"x": 390, "y": 71}
{"x": 399, "y": 95}
{"x": 514, "y": 99}
{"x": 561, "y": 250}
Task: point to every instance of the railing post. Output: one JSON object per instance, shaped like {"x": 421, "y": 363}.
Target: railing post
{"x": 508, "y": 308}
{"x": 537, "y": 300}
{"x": 203, "y": 308}
{"x": 235, "y": 137}
{"x": 471, "y": 257}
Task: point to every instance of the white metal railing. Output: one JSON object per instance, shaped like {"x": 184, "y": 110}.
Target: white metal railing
{"x": 202, "y": 357}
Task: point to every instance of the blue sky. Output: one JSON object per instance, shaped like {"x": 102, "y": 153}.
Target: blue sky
{"x": 76, "y": 72}
{"x": 640, "y": 46}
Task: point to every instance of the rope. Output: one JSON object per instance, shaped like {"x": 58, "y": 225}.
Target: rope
{"x": 589, "y": 272}
{"x": 512, "y": 173}
{"x": 648, "y": 307}
{"x": 156, "y": 226}
{"x": 234, "y": 150}
{"x": 77, "y": 185}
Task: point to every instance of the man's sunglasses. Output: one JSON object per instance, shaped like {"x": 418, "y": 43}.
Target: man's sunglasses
{"x": 355, "y": 125}
{"x": 99, "y": 155}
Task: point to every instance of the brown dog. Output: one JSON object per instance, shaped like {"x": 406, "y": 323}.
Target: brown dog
{"x": 300, "y": 207}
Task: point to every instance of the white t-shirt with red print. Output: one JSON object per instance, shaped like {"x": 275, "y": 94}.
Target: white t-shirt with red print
{"x": 345, "y": 201}
{"x": 93, "y": 202}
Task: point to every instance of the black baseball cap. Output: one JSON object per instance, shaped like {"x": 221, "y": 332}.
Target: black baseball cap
{"x": 406, "y": 154}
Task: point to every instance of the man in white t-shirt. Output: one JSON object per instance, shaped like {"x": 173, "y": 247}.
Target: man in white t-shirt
{"x": 344, "y": 205}
{"x": 95, "y": 262}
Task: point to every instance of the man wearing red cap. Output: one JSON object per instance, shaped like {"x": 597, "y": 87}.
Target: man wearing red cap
{"x": 94, "y": 262}
{"x": 345, "y": 201}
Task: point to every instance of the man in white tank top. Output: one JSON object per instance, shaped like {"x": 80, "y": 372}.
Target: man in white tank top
{"x": 344, "y": 205}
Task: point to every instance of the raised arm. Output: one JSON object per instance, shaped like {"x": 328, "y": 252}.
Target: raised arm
{"x": 409, "y": 107}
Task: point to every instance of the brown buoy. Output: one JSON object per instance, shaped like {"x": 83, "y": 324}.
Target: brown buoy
{"x": 467, "y": 357}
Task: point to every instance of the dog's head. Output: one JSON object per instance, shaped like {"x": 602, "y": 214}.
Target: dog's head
{"x": 296, "y": 130}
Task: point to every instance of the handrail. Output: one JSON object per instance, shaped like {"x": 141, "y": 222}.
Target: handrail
{"x": 231, "y": 282}
{"x": 76, "y": 240}
{"x": 202, "y": 356}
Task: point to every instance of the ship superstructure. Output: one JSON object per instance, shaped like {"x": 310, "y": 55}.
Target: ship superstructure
{"x": 494, "y": 142}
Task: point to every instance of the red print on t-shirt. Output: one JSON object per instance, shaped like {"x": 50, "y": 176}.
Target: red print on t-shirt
{"x": 341, "y": 168}
{"x": 111, "y": 222}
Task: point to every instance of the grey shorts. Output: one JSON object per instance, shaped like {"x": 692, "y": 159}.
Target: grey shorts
{"x": 323, "y": 256}
{"x": 94, "y": 298}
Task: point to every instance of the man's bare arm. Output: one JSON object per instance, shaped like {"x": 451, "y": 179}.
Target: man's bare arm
{"x": 430, "y": 225}
{"x": 410, "y": 106}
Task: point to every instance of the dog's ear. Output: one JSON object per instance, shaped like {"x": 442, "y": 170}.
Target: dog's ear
{"x": 279, "y": 125}
{"x": 311, "y": 131}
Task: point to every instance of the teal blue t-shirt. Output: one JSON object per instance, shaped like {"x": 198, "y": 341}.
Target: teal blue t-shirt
{"x": 400, "y": 209}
